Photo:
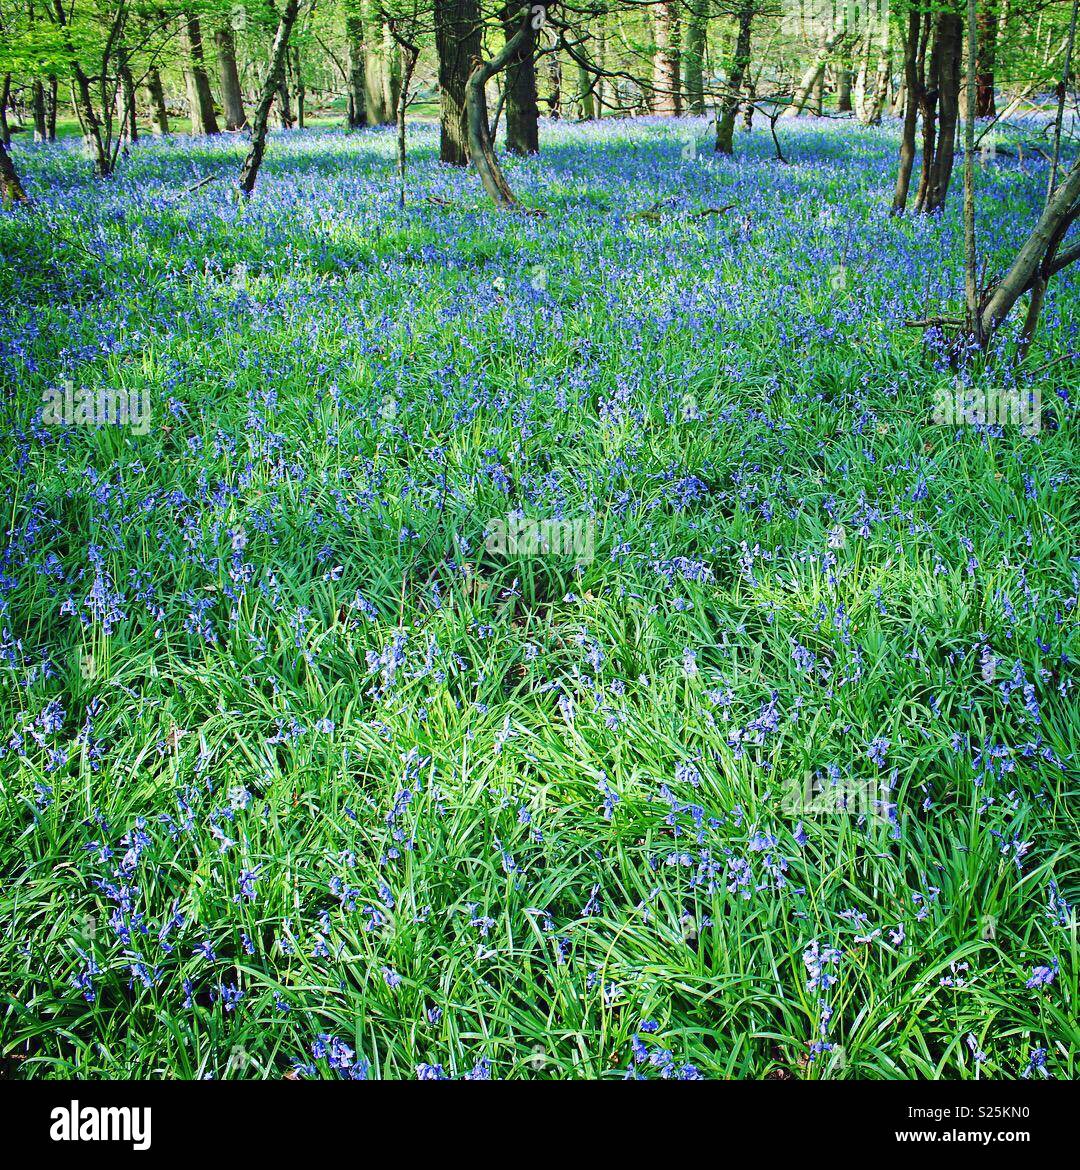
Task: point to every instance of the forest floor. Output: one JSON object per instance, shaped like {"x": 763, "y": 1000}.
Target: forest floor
{"x": 315, "y": 762}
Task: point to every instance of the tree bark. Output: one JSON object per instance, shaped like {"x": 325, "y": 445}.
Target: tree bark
{"x": 911, "y": 111}
{"x": 5, "y": 97}
{"x": 843, "y": 90}
{"x": 554, "y": 98}
{"x": 878, "y": 90}
{"x": 694, "y": 57}
{"x": 51, "y": 103}
{"x": 985, "y": 106}
{"x": 1037, "y": 259}
{"x": 457, "y": 43}
{"x": 410, "y": 52}
{"x": 481, "y": 148}
{"x": 950, "y": 39}
{"x": 37, "y": 104}
{"x": 232, "y": 97}
{"x": 11, "y": 189}
{"x": 522, "y": 111}
{"x": 666, "y": 95}
{"x": 816, "y": 70}
{"x": 159, "y": 114}
{"x": 740, "y": 62}
{"x": 250, "y": 170}
{"x": 300, "y": 90}
{"x": 129, "y": 118}
{"x": 356, "y": 115}
{"x": 200, "y": 97}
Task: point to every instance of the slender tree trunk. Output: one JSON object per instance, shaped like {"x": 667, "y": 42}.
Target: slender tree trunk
{"x": 1037, "y": 259}
{"x": 817, "y": 100}
{"x": 357, "y": 98}
{"x": 985, "y": 106}
{"x": 815, "y": 71}
{"x": 666, "y": 95}
{"x": 694, "y": 56}
{"x": 155, "y": 91}
{"x": 11, "y": 189}
{"x": 200, "y": 97}
{"x": 391, "y": 75}
{"x": 522, "y": 112}
{"x": 300, "y": 90}
{"x": 585, "y": 93}
{"x": 911, "y": 111}
{"x": 284, "y": 104}
{"x": 250, "y": 170}
{"x": 129, "y": 117}
{"x": 971, "y": 292}
{"x": 1063, "y": 90}
{"x": 375, "y": 87}
{"x": 409, "y": 53}
{"x": 5, "y": 97}
{"x": 37, "y": 104}
{"x": 843, "y": 90}
{"x": 554, "y": 99}
{"x": 51, "y": 104}
{"x": 457, "y": 43}
{"x": 232, "y": 96}
{"x": 748, "y": 104}
{"x": 950, "y": 34}
{"x": 481, "y": 149}
{"x": 601, "y": 53}
{"x": 879, "y": 89}
{"x": 740, "y": 63}
{"x": 928, "y": 96}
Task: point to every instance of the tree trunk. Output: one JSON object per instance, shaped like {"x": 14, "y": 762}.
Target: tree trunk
{"x": 843, "y": 90}
{"x": 11, "y": 190}
{"x": 457, "y": 43}
{"x": 375, "y": 87}
{"x": 666, "y": 95}
{"x": 129, "y": 119}
{"x": 817, "y": 101}
{"x": 951, "y": 39}
{"x": 481, "y": 148}
{"x": 250, "y": 170}
{"x": 410, "y": 53}
{"x": 985, "y": 106}
{"x": 585, "y": 93}
{"x": 232, "y": 97}
{"x": 740, "y": 62}
{"x": 815, "y": 71}
{"x": 356, "y": 115}
{"x": 878, "y": 90}
{"x": 200, "y": 97}
{"x": 51, "y": 103}
{"x": 1037, "y": 261}
{"x": 694, "y": 57}
{"x": 300, "y": 90}
{"x": 748, "y": 104}
{"x": 554, "y": 99}
{"x": 522, "y": 112}
{"x": 911, "y": 111}
{"x": 37, "y": 104}
{"x": 5, "y": 97}
{"x": 391, "y": 75}
{"x": 159, "y": 115}
{"x": 284, "y": 104}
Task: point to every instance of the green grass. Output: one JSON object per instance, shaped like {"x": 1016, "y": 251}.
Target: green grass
{"x": 343, "y": 396}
